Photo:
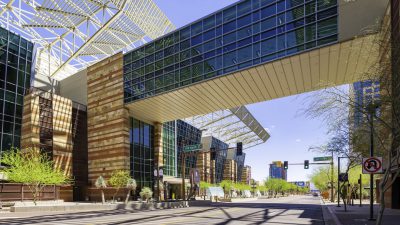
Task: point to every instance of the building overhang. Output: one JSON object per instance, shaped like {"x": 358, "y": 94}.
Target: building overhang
{"x": 341, "y": 63}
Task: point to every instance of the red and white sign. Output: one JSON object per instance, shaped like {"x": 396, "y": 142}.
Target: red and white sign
{"x": 372, "y": 165}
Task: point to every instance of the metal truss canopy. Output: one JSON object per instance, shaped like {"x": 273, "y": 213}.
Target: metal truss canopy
{"x": 72, "y": 34}
{"x": 231, "y": 126}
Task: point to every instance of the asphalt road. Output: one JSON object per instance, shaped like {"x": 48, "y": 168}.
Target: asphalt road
{"x": 288, "y": 210}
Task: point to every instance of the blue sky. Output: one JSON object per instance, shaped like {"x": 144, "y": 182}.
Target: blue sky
{"x": 291, "y": 132}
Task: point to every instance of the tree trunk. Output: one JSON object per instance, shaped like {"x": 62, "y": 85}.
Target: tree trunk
{"x": 128, "y": 196}
{"x": 103, "y": 199}
{"x": 382, "y": 203}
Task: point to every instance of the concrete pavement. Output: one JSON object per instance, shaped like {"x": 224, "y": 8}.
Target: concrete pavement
{"x": 357, "y": 215}
{"x": 287, "y": 210}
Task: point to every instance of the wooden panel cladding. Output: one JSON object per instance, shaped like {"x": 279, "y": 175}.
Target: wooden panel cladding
{"x": 30, "y": 122}
{"x": 230, "y": 170}
{"x": 108, "y": 119}
{"x": 246, "y": 174}
{"x": 62, "y": 133}
{"x": 35, "y": 120}
{"x": 203, "y": 164}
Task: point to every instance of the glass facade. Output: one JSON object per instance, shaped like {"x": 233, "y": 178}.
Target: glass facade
{"x": 240, "y": 164}
{"x": 365, "y": 92}
{"x": 141, "y": 137}
{"x": 245, "y": 34}
{"x": 186, "y": 135}
{"x": 220, "y": 158}
{"x": 169, "y": 152}
{"x": 15, "y": 79}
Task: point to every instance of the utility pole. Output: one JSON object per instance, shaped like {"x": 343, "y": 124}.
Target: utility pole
{"x": 360, "y": 190}
{"x": 371, "y": 154}
{"x": 332, "y": 197}
{"x": 338, "y": 184}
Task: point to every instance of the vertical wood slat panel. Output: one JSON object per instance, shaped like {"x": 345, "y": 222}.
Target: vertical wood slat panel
{"x": 108, "y": 121}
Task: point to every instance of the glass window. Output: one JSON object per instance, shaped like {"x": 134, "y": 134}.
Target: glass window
{"x": 209, "y": 22}
{"x": 11, "y": 75}
{"x": 323, "y": 4}
{"x": 327, "y": 13}
{"x": 327, "y": 27}
{"x": 169, "y": 40}
{"x": 244, "y": 7}
{"x": 280, "y": 19}
{"x": 244, "y": 21}
{"x": 209, "y": 65}
{"x": 159, "y": 44}
{"x": 268, "y": 23}
{"x": 196, "y": 40}
{"x": 244, "y": 42}
{"x": 230, "y": 59}
{"x": 185, "y": 73}
{"x": 197, "y": 69}
{"x": 149, "y": 48}
{"x": 268, "y": 34}
{"x": 295, "y": 14}
{"x": 9, "y": 108}
{"x": 197, "y": 28}
{"x": 209, "y": 35}
{"x": 293, "y": 3}
{"x": 268, "y": 46}
{"x": 244, "y": 32}
{"x": 310, "y": 32}
{"x": 281, "y": 43}
{"x": 281, "y": 6}
{"x": 229, "y": 27}
{"x": 185, "y": 33}
{"x": 268, "y": 11}
{"x": 229, "y": 38}
{"x": 294, "y": 38}
{"x": 245, "y": 54}
{"x": 8, "y": 127}
{"x": 229, "y": 13}
{"x": 185, "y": 44}
{"x": 310, "y": 7}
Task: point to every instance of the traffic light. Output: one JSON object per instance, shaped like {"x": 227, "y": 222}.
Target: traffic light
{"x": 213, "y": 153}
{"x": 285, "y": 165}
{"x": 239, "y": 148}
{"x": 306, "y": 164}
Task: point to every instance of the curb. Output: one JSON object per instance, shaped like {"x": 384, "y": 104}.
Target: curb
{"x": 329, "y": 217}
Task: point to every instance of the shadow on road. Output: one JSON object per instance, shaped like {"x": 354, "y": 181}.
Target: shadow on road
{"x": 250, "y": 212}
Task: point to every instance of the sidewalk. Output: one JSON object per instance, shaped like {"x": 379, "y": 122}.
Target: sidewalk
{"x": 357, "y": 215}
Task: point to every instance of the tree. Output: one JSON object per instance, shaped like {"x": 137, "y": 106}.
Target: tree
{"x": 32, "y": 168}
{"x": 131, "y": 186}
{"x": 119, "y": 179}
{"x": 203, "y": 186}
{"x": 321, "y": 177}
{"x": 146, "y": 194}
{"x": 101, "y": 184}
{"x": 227, "y": 185}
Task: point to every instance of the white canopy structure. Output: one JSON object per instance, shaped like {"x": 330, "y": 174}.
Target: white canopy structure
{"x": 231, "y": 126}
{"x": 72, "y": 34}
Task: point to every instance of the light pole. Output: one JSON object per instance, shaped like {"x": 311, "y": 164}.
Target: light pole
{"x": 371, "y": 110}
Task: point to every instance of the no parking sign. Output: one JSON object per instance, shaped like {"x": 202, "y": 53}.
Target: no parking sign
{"x": 372, "y": 165}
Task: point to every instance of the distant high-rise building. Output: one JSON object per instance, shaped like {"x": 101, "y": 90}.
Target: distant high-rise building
{"x": 364, "y": 93}
{"x": 276, "y": 170}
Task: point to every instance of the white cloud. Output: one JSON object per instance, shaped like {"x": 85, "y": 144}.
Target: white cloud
{"x": 298, "y": 140}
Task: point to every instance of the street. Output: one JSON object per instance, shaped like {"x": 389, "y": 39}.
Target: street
{"x": 286, "y": 210}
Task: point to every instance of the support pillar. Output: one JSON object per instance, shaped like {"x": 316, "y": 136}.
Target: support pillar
{"x": 158, "y": 159}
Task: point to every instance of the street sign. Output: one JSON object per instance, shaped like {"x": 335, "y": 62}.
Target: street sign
{"x": 372, "y": 165}
{"x": 189, "y": 148}
{"x": 195, "y": 175}
{"x": 324, "y": 158}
